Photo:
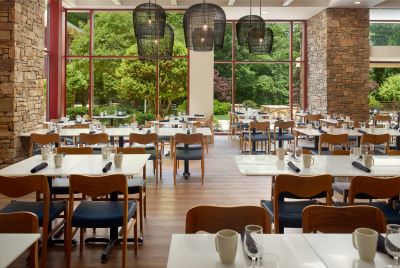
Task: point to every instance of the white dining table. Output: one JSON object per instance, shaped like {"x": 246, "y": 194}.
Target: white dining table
{"x": 336, "y": 165}
{"x": 280, "y": 250}
{"x": 13, "y": 245}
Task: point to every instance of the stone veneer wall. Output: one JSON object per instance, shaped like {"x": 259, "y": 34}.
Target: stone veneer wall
{"x": 338, "y": 62}
{"x": 22, "y": 104}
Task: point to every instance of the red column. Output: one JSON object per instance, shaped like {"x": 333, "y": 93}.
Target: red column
{"x": 55, "y": 24}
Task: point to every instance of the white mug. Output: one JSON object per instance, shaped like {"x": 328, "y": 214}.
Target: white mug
{"x": 59, "y": 128}
{"x": 331, "y": 129}
{"x": 280, "y": 153}
{"x": 347, "y": 118}
{"x": 226, "y": 245}
{"x": 365, "y": 241}
{"x": 372, "y": 128}
{"x": 309, "y": 126}
{"x": 45, "y": 151}
{"x": 308, "y": 160}
{"x": 58, "y": 159}
{"x": 194, "y": 129}
{"x": 118, "y": 160}
{"x": 368, "y": 160}
{"x": 344, "y": 125}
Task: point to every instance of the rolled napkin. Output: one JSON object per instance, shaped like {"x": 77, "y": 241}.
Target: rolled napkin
{"x": 107, "y": 167}
{"x": 360, "y": 166}
{"x": 362, "y": 131}
{"x": 188, "y": 131}
{"x": 293, "y": 166}
{"x": 92, "y": 132}
{"x": 321, "y": 130}
{"x": 381, "y": 245}
{"x": 198, "y": 114}
{"x": 164, "y": 120}
{"x": 39, "y": 167}
{"x": 148, "y": 131}
{"x": 51, "y": 131}
{"x": 251, "y": 244}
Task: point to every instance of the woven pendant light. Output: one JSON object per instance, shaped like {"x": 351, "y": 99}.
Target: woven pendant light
{"x": 204, "y": 27}
{"x": 260, "y": 40}
{"x": 149, "y": 21}
{"x": 157, "y": 49}
{"x": 245, "y": 24}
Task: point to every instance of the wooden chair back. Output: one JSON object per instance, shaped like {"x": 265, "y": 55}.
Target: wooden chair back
{"x": 333, "y": 139}
{"x": 143, "y": 139}
{"x": 328, "y": 219}
{"x": 213, "y": 218}
{"x": 260, "y": 126}
{"x": 284, "y": 125}
{"x": 382, "y": 118}
{"x": 376, "y": 139}
{"x": 196, "y": 124}
{"x": 374, "y": 187}
{"x": 43, "y": 139}
{"x": 394, "y": 152}
{"x": 131, "y": 150}
{"x": 79, "y": 125}
{"x": 195, "y": 138}
{"x": 22, "y": 222}
{"x": 75, "y": 150}
{"x": 310, "y": 118}
{"x": 340, "y": 152}
{"x": 91, "y": 139}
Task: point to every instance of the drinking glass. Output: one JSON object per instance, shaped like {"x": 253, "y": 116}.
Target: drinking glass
{"x": 362, "y": 124}
{"x": 351, "y": 124}
{"x": 354, "y": 153}
{"x": 253, "y": 243}
{"x": 392, "y": 243}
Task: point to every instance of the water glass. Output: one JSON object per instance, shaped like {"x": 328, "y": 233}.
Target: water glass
{"x": 253, "y": 243}
{"x": 354, "y": 153}
{"x": 392, "y": 243}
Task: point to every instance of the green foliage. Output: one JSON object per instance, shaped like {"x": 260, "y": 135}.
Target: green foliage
{"x": 389, "y": 91}
{"x": 250, "y": 104}
{"x": 384, "y": 34}
{"x": 143, "y": 117}
{"x": 373, "y": 103}
{"x": 77, "y": 110}
{"x": 221, "y": 108}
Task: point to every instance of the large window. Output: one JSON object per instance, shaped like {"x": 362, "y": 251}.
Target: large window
{"x": 259, "y": 81}
{"x": 104, "y": 73}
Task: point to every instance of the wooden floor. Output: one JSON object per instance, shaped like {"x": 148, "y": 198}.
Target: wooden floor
{"x": 167, "y": 206}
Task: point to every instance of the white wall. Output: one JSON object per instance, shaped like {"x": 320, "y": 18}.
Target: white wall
{"x": 201, "y": 93}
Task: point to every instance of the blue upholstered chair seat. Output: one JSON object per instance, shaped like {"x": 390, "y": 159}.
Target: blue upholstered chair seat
{"x": 290, "y": 213}
{"x": 56, "y": 208}
{"x": 256, "y": 137}
{"x": 284, "y": 137}
{"x": 392, "y": 216}
{"x": 353, "y": 138}
{"x": 101, "y": 214}
{"x": 188, "y": 155}
{"x": 134, "y": 185}
{"x": 191, "y": 147}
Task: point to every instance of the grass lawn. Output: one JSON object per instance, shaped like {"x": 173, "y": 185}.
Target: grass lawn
{"x": 221, "y": 117}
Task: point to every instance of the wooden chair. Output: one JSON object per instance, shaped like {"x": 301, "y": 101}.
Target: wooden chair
{"x": 86, "y": 139}
{"x": 137, "y": 186}
{"x": 283, "y": 131}
{"x": 22, "y": 222}
{"x": 376, "y": 139}
{"x": 364, "y": 187}
{"x": 312, "y": 118}
{"x": 187, "y": 154}
{"x": 79, "y": 125}
{"x": 46, "y": 211}
{"x": 333, "y": 140}
{"x": 151, "y": 144}
{"x": 288, "y": 214}
{"x": 43, "y": 139}
{"x": 381, "y": 119}
{"x": 259, "y": 132}
{"x": 394, "y": 152}
{"x": 75, "y": 150}
{"x": 213, "y": 218}
{"x": 340, "y": 152}
{"x": 326, "y": 219}
{"x": 101, "y": 214}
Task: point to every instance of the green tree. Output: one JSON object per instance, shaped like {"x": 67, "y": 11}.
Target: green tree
{"x": 390, "y": 89}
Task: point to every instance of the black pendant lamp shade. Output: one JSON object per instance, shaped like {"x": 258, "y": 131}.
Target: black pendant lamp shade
{"x": 260, "y": 41}
{"x": 157, "y": 49}
{"x": 149, "y": 21}
{"x": 204, "y": 27}
{"x": 245, "y": 25}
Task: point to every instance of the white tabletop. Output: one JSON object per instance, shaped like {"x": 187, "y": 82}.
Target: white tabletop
{"x": 336, "y": 250}
{"x": 111, "y": 116}
{"x": 91, "y": 165}
{"x": 336, "y": 165}
{"x": 74, "y": 132}
{"x": 198, "y": 251}
{"x": 13, "y": 245}
{"x": 351, "y": 132}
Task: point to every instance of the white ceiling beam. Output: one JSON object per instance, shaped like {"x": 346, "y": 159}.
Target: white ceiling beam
{"x": 117, "y": 2}
{"x": 174, "y": 2}
{"x": 69, "y": 3}
{"x": 286, "y": 3}
{"x": 231, "y": 2}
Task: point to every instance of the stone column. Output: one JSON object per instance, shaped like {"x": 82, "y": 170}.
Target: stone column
{"x": 22, "y": 105}
{"x": 338, "y": 62}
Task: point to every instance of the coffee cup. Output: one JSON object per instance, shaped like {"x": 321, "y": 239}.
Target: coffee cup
{"x": 368, "y": 160}
{"x": 372, "y": 128}
{"x": 308, "y": 160}
{"x": 309, "y": 126}
{"x": 226, "y": 245}
{"x": 331, "y": 129}
{"x": 365, "y": 241}
{"x": 344, "y": 125}
{"x": 280, "y": 153}
{"x": 118, "y": 160}
{"x": 347, "y": 118}
{"x": 59, "y": 128}
{"x": 58, "y": 159}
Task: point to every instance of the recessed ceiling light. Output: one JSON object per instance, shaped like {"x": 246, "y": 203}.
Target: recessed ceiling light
{"x": 357, "y": 2}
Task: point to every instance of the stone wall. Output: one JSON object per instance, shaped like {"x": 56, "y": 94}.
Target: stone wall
{"x": 22, "y": 104}
{"x": 338, "y": 62}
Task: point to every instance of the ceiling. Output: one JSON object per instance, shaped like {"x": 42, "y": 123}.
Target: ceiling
{"x": 271, "y": 9}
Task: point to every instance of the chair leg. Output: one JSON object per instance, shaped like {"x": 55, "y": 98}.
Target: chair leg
{"x": 45, "y": 234}
{"x": 33, "y": 256}
{"x": 141, "y": 210}
{"x": 124, "y": 243}
{"x": 144, "y": 204}
{"x": 202, "y": 171}
{"x": 160, "y": 167}
{"x": 175, "y": 171}
{"x": 80, "y": 241}
{"x": 135, "y": 234}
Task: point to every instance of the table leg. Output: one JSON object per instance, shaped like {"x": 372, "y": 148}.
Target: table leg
{"x": 316, "y": 142}
{"x": 186, "y": 172}
{"x": 398, "y": 143}
{"x": 280, "y": 142}
{"x": 121, "y": 141}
